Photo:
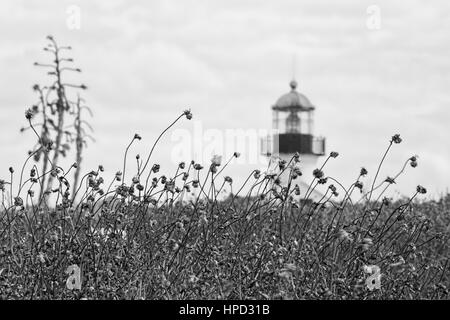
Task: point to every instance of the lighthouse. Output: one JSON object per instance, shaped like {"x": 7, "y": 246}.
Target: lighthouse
{"x": 293, "y": 124}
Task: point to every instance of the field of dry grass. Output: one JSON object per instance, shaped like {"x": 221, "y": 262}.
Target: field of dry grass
{"x": 143, "y": 235}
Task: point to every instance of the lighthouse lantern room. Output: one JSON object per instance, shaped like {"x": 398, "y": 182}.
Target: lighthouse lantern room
{"x": 293, "y": 121}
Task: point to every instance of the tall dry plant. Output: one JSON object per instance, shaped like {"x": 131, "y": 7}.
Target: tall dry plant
{"x": 62, "y": 126}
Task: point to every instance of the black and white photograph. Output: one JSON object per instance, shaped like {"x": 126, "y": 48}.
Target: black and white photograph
{"x": 239, "y": 153}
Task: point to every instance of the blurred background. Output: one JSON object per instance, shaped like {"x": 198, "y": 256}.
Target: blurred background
{"x": 372, "y": 69}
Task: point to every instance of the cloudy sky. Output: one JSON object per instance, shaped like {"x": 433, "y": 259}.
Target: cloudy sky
{"x": 146, "y": 61}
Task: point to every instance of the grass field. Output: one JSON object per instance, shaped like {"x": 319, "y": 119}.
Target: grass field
{"x": 157, "y": 237}
{"x": 143, "y": 235}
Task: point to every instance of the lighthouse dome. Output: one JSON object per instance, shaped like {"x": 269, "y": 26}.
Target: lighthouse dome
{"x": 293, "y": 100}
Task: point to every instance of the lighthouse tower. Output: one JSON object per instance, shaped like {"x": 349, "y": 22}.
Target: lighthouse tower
{"x": 293, "y": 124}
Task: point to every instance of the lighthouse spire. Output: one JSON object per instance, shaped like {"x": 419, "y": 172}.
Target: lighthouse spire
{"x": 294, "y": 58}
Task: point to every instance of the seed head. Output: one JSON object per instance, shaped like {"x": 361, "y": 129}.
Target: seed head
{"x": 29, "y": 114}
{"x": 228, "y": 179}
{"x": 18, "y": 202}
{"x": 156, "y": 168}
{"x": 318, "y": 173}
{"x": 11, "y": 169}
{"x": 137, "y": 137}
{"x": 359, "y": 185}
{"x": 297, "y": 171}
{"x": 236, "y": 154}
{"x": 363, "y": 172}
{"x": 421, "y": 189}
{"x": 170, "y": 185}
{"x": 48, "y": 145}
{"x": 396, "y": 138}
{"x": 188, "y": 114}
{"x": 198, "y": 166}
{"x": 334, "y": 154}
{"x": 390, "y": 180}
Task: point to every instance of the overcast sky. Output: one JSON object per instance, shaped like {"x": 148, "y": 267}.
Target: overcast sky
{"x": 146, "y": 61}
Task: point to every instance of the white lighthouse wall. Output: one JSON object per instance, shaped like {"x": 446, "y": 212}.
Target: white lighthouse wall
{"x": 307, "y": 165}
